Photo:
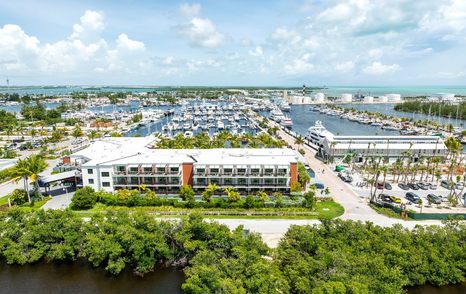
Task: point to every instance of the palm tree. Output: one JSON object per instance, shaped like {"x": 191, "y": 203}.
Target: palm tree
{"x": 299, "y": 141}
{"x": 77, "y": 132}
{"x": 36, "y": 165}
{"x": 21, "y": 171}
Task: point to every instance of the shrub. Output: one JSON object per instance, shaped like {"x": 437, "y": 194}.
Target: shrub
{"x": 187, "y": 193}
{"x": 84, "y": 198}
{"x": 296, "y": 187}
{"x": 18, "y": 197}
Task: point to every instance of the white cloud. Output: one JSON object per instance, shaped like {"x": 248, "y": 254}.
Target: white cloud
{"x": 187, "y": 9}
{"x": 344, "y": 66}
{"x": 299, "y": 66}
{"x": 378, "y": 68}
{"x": 126, "y": 43}
{"x": 84, "y": 50}
{"x": 90, "y": 26}
{"x": 375, "y": 53}
{"x": 201, "y": 32}
{"x": 257, "y": 52}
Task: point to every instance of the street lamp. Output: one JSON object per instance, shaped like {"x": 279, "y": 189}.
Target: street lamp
{"x": 66, "y": 193}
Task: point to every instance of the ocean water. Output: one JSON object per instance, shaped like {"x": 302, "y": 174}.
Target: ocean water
{"x": 329, "y": 90}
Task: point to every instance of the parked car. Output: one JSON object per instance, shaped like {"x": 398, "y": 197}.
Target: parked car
{"x": 412, "y": 197}
{"x": 423, "y": 186}
{"x": 432, "y": 186}
{"x": 319, "y": 186}
{"x": 395, "y": 199}
{"x": 434, "y": 199}
{"x": 403, "y": 186}
{"x": 388, "y": 186}
{"x": 385, "y": 198}
{"x": 459, "y": 186}
{"x": 445, "y": 184}
{"x": 413, "y": 186}
{"x": 345, "y": 178}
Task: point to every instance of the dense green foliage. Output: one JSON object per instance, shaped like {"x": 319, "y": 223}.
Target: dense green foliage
{"x": 115, "y": 240}
{"x": 229, "y": 198}
{"x": 335, "y": 257}
{"x": 352, "y": 257}
{"x": 7, "y": 120}
{"x": 39, "y": 112}
{"x": 84, "y": 198}
{"x": 221, "y": 140}
{"x": 434, "y": 108}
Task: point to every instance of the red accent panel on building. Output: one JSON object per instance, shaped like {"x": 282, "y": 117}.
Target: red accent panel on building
{"x": 66, "y": 160}
{"x": 293, "y": 173}
{"x": 187, "y": 174}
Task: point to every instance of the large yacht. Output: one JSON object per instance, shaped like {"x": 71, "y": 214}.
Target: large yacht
{"x": 286, "y": 122}
{"x": 276, "y": 115}
{"x": 316, "y": 133}
{"x": 285, "y": 107}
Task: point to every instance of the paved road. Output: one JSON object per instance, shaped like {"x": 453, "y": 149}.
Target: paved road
{"x": 58, "y": 202}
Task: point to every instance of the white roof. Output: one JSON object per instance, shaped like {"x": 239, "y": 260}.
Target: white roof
{"x": 115, "y": 151}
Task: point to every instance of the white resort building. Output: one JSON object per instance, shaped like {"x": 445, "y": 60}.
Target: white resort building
{"x": 335, "y": 148}
{"x": 127, "y": 163}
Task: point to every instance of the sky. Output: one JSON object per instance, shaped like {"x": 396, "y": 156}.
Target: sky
{"x": 228, "y": 43}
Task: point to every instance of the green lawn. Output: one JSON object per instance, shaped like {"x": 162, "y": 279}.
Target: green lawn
{"x": 323, "y": 210}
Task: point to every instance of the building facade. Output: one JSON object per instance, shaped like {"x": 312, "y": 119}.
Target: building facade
{"x": 128, "y": 163}
{"x": 392, "y": 148}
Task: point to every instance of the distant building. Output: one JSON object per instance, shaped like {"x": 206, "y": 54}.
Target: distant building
{"x": 127, "y": 163}
{"x": 335, "y": 148}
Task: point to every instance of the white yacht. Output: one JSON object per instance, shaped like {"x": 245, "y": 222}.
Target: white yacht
{"x": 276, "y": 115}
{"x": 285, "y": 107}
{"x": 286, "y": 122}
{"x": 316, "y": 133}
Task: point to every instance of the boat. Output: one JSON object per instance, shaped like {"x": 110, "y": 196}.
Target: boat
{"x": 316, "y": 133}
{"x": 285, "y": 107}
{"x": 286, "y": 122}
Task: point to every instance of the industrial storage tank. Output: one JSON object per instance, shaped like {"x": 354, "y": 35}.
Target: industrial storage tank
{"x": 320, "y": 97}
{"x": 346, "y": 97}
{"x": 307, "y": 100}
{"x": 383, "y": 99}
{"x": 394, "y": 97}
{"x": 297, "y": 99}
{"x": 368, "y": 99}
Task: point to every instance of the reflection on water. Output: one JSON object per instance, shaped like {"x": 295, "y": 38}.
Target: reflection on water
{"x": 427, "y": 289}
{"x": 81, "y": 278}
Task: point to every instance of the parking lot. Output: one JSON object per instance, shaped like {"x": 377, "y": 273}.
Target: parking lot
{"x": 434, "y": 188}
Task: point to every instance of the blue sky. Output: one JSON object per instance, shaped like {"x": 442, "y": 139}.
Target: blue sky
{"x": 276, "y": 43}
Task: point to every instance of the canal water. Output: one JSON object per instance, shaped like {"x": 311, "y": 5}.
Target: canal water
{"x": 45, "y": 278}
{"x": 74, "y": 278}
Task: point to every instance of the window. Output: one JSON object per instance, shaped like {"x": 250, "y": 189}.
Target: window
{"x": 242, "y": 181}
{"x": 174, "y": 170}
{"x": 241, "y": 171}
{"x": 227, "y": 171}
{"x": 268, "y": 171}
{"x": 160, "y": 170}
{"x": 268, "y": 181}
{"x": 255, "y": 181}
{"x": 255, "y": 171}
{"x": 147, "y": 180}
{"x": 133, "y": 181}
{"x": 133, "y": 170}
{"x": 174, "y": 180}
{"x": 281, "y": 171}
{"x": 200, "y": 171}
{"x": 147, "y": 169}
{"x": 215, "y": 181}
{"x": 201, "y": 181}
{"x": 120, "y": 168}
{"x": 281, "y": 182}
{"x": 213, "y": 171}
{"x": 161, "y": 181}
{"x": 105, "y": 174}
{"x": 105, "y": 184}
{"x": 90, "y": 171}
{"x": 91, "y": 181}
